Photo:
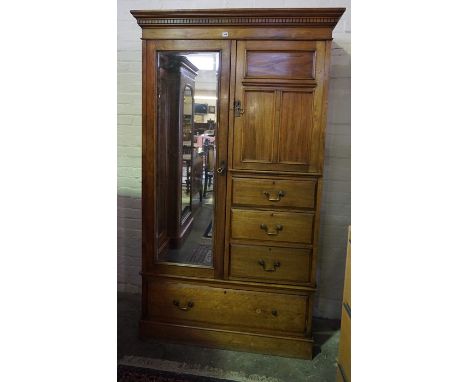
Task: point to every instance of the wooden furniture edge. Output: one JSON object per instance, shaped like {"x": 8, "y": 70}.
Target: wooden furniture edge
{"x": 308, "y": 17}
{"x": 232, "y": 284}
{"x": 228, "y": 339}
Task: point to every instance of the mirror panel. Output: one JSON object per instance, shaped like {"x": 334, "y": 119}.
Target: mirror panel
{"x": 186, "y": 146}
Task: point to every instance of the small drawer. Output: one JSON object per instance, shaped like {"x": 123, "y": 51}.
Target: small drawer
{"x": 282, "y": 193}
{"x": 291, "y": 227}
{"x": 181, "y": 302}
{"x": 274, "y": 264}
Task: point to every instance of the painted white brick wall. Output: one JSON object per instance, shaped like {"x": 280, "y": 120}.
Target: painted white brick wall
{"x": 336, "y": 201}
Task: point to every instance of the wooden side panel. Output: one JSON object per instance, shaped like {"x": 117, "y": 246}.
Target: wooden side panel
{"x": 347, "y": 282}
{"x": 296, "y": 127}
{"x": 277, "y": 64}
{"x": 344, "y": 349}
{"x": 149, "y": 159}
{"x": 257, "y": 130}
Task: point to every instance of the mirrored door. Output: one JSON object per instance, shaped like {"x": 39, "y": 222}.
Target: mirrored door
{"x": 188, "y": 203}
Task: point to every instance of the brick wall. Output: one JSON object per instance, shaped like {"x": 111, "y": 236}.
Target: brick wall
{"x": 336, "y": 199}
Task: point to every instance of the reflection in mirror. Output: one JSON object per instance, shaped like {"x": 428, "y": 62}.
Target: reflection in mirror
{"x": 187, "y": 151}
{"x": 186, "y": 146}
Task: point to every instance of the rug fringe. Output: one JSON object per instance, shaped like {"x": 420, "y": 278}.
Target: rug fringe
{"x": 184, "y": 368}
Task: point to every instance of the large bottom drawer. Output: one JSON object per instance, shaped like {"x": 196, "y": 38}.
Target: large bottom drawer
{"x": 179, "y": 302}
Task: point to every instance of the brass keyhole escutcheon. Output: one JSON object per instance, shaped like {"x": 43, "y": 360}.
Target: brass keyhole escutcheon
{"x": 221, "y": 170}
{"x": 238, "y": 110}
{"x": 274, "y": 312}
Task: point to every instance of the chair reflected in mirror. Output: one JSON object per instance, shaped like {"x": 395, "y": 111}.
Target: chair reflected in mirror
{"x": 209, "y": 165}
{"x": 187, "y": 164}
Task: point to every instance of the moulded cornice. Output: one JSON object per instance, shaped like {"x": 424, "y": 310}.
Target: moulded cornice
{"x": 304, "y": 17}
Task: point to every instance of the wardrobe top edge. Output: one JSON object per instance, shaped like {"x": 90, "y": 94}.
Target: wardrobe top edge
{"x": 240, "y": 11}
{"x": 307, "y": 17}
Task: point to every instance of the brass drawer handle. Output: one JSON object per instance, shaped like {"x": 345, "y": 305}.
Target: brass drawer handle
{"x": 279, "y": 227}
{"x": 279, "y": 195}
{"x": 184, "y": 308}
{"x": 276, "y": 264}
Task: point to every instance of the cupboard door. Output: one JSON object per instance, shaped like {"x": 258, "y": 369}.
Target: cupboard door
{"x": 278, "y": 94}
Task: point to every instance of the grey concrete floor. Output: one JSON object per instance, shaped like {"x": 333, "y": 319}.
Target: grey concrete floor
{"x": 321, "y": 368}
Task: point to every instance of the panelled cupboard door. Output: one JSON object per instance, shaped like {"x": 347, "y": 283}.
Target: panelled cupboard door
{"x": 278, "y": 93}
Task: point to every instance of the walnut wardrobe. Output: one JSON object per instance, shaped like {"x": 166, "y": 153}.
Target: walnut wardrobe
{"x": 234, "y": 115}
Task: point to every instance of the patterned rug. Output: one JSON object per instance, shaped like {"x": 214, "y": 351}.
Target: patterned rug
{"x": 139, "y": 374}
{"x": 201, "y": 255}
{"x": 143, "y": 369}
